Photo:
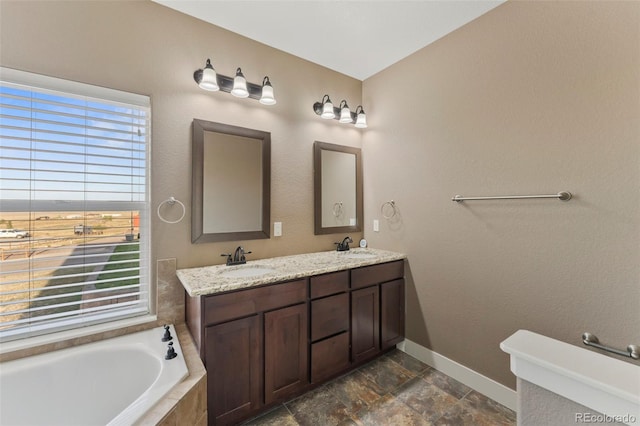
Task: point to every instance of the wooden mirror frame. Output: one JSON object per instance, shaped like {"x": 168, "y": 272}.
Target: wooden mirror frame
{"x": 197, "y": 173}
{"x": 318, "y": 147}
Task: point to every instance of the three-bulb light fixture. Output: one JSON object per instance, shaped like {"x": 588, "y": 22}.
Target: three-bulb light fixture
{"x": 325, "y": 109}
{"x": 209, "y": 79}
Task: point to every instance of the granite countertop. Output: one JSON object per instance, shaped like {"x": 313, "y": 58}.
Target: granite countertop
{"x": 218, "y": 278}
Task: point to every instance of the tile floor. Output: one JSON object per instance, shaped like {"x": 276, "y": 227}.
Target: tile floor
{"x": 395, "y": 389}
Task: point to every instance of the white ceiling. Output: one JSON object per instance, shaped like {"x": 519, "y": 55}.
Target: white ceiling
{"x": 355, "y": 37}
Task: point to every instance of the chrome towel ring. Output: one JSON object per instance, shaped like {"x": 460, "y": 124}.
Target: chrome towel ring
{"x": 171, "y": 201}
{"x": 388, "y": 209}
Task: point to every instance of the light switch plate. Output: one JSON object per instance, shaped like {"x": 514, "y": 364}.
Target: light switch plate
{"x": 277, "y": 229}
{"x": 376, "y": 225}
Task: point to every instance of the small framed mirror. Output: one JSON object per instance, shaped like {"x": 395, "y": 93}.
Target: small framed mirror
{"x": 337, "y": 188}
{"x": 231, "y": 183}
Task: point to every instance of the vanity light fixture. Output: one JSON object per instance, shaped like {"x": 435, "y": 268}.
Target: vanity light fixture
{"x": 267, "y": 97}
{"x": 345, "y": 113}
{"x": 361, "y": 118}
{"x": 209, "y": 78}
{"x": 325, "y": 109}
{"x": 238, "y": 86}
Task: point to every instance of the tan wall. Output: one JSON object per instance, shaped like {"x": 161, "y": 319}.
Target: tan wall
{"x": 533, "y": 97}
{"x": 146, "y": 48}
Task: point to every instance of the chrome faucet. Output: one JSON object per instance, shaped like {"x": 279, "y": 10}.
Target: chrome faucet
{"x": 238, "y": 257}
{"x": 344, "y": 245}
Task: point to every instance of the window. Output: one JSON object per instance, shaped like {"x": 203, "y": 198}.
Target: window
{"x": 74, "y": 204}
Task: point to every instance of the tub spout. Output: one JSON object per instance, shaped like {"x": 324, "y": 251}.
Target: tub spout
{"x": 167, "y": 334}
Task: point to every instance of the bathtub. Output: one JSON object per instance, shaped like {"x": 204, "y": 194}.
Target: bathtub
{"x": 560, "y": 383}
{"x": 110, "y": 382}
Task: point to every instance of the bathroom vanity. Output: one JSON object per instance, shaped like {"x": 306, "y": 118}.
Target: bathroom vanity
{"x": 272, "y": 329}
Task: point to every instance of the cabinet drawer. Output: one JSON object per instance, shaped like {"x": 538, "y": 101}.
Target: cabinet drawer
{"x": 329, "y": 316}
{"x": 375, "y": 274}
{"x": 324, "y": 285}
{"x": 329, "y": 357}
{"x": 246, "y": 302}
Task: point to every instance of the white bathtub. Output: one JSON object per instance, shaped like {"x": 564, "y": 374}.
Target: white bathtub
{"x": 591, "y": 379}
{"x": 114, "y": 382}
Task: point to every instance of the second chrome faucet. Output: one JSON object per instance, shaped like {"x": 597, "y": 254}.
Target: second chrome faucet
{"x": 344, "y": 245}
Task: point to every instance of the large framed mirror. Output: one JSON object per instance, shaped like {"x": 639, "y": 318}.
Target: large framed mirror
{"x": 231, "y": 183}
{"x": 337, "y": 175}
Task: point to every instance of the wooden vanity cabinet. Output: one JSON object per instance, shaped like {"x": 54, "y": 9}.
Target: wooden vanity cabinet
{"x": 254, "y": 346}
{"x": 377, "y": 309}
{"x": 268, "y": 344}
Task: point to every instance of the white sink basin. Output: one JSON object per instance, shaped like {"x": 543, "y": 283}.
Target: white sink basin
{"x": 359, "y": 255}
{"x": 246, "y": 271}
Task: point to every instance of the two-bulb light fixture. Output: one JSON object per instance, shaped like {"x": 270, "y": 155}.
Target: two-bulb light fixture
{"x": 325, "y": 109}
{"x": 209, "y": 79}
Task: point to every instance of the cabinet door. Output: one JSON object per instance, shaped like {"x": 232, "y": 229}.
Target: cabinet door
{"x": 392, "y": 313}
{"x": 365, "y": 329}
{"x": 233, "y": 362}
{"x": 286, "y": 354}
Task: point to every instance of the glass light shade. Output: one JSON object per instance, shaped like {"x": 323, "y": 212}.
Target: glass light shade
{"x": 240, "y": 85}
{"x": 327, "y": 110}
{"x": 345, "y": 114}
{"x": 361, "y": 120}
{"x": 209, "y": 79}
{"x": 267, "y": 97}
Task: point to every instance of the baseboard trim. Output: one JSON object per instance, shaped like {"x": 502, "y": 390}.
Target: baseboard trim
{"x": 486, "y": 386}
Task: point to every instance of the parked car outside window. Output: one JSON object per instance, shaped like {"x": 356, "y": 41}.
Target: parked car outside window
{"x": 13, "y": 233}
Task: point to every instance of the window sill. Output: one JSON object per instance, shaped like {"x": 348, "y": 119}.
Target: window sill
{"x": 54, "y": 338}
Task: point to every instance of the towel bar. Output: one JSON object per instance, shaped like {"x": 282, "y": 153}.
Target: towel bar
{"x": 562, "y": 196}
{"x": 633, "y": 351}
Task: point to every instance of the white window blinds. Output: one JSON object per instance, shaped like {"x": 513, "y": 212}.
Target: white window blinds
{"x": 74, "y": 204}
